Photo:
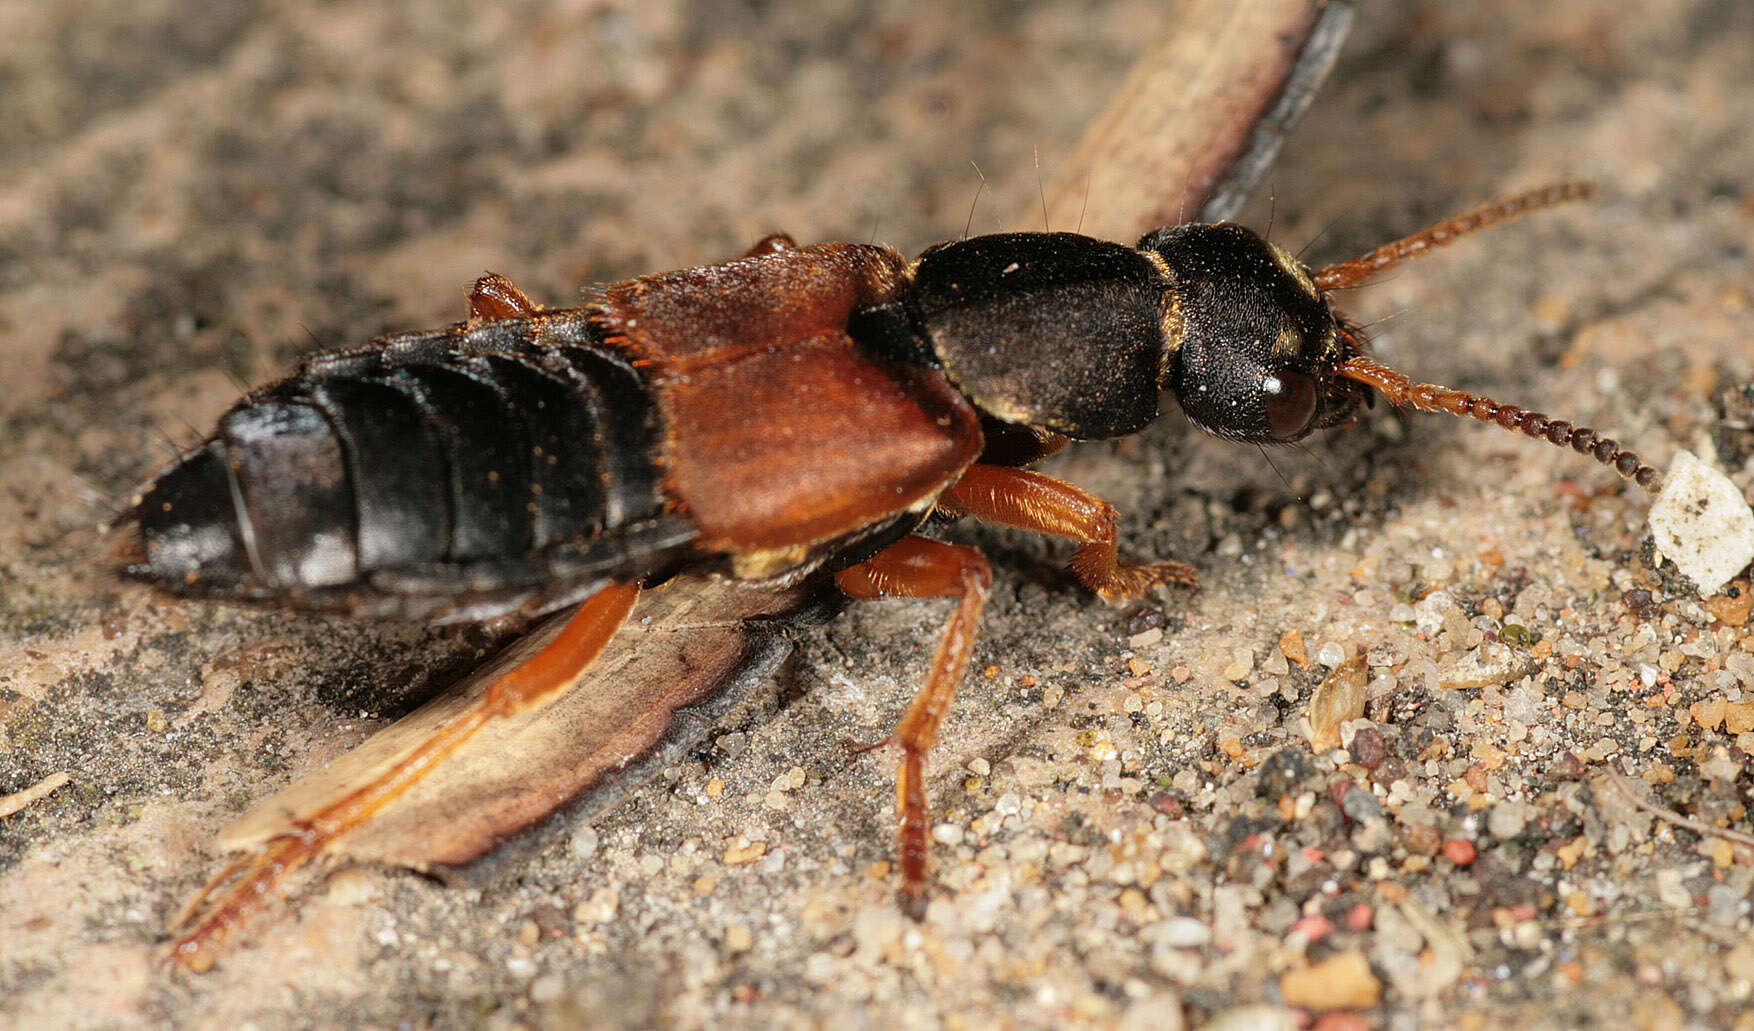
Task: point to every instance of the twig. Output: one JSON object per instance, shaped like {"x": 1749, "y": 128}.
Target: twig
{"x": 1620, "y": 781}
{"x": 19, "y": 800}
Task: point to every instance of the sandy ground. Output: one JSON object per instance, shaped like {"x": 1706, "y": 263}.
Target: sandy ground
{"x": 1135, "y": 831}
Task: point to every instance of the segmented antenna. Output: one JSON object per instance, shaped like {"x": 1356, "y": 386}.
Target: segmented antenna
{"x": 1403, "y": 391}
{"x": 1398, "y": 389}
{"x": 1360, "y": 270}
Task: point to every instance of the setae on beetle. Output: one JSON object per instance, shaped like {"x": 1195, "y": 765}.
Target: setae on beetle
{"x": 795, "y": 410}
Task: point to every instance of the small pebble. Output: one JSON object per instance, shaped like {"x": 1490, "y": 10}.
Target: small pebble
{"x": 1292, "y": 647}
{"x": 1183, "y": 932}
{"x": 547, "y": 989}
{"x": 1359, "y": 804}
{"x": 1506, "y": 821}
{"x": 583, "y": 842}
{"x": 352, "y": 887}
{"x": 1733, "y": 606}
{"x": 1702, "y": 523}
{"x": 1724, "y": 905}
{"x": 1368, "y": 749}
{"x": 1145, "y": 620}
{"x": 1259, "y": 1017}
{"x": 600, "y": 908}
{"x": 1339, "y": 982}
{"x": 1283, "y": 772}
{"x": 1161, "y": 1012}
{"x": 743, "y": 851}
{"x": 1313, "y": 928}
{"x": 1739, "y": 961}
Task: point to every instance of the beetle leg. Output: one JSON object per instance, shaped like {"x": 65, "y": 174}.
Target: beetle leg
{"x": 915, "y": 567}
{"x": 496, "y": 297}
{"x": 1030, "y": 501}
{"x": 537, "y": 681}
{"x": 772, "y": 243}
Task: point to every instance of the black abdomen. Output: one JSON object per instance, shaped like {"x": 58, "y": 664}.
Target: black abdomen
{"x": 450, "y": 475}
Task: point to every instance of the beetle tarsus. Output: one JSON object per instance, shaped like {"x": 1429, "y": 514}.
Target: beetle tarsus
{"x": 912, "y": 902}
{"x": 1127, "y": 582}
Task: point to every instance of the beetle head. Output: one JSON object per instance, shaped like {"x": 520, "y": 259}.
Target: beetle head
{"x": 1252, "y": 345}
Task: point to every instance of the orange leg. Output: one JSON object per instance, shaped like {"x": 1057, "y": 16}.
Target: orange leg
{"x": 496, "y": 297}
{"x": 535, "y": 682}
{"x": 1031, "y": 501}
{"x": 915, "y": 567}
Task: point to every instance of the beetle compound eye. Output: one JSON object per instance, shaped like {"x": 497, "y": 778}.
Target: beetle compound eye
{"x": 1289, "y": 399}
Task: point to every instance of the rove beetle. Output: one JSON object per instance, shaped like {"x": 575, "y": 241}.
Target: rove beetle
{"x": 800, "y": 409}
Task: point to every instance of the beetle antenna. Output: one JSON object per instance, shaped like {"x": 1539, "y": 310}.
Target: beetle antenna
{"x": 1402, "y": 391}
{"x": 1362, "y": 270}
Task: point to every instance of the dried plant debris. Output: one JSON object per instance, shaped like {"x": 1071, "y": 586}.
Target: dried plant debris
{"x": 1337, "y": 699}
{"x": 18, "y": 801}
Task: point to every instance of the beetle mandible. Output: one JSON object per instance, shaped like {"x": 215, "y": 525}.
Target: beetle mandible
{"x": 800, "y": 409}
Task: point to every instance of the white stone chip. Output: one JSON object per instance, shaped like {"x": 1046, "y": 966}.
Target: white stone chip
{"x": 1702, "y": 523}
